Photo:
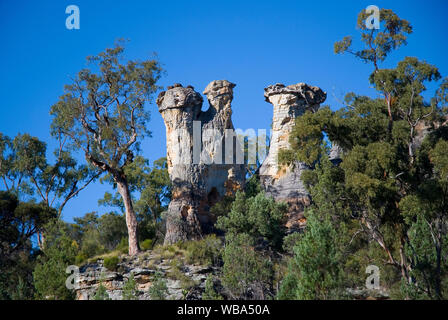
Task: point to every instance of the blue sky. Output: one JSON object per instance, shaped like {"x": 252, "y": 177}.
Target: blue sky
{"x": 251, "y": 43}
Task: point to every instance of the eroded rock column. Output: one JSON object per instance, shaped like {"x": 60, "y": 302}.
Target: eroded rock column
{"x": 283, "y": 182}
{"x": 196, "y": 157}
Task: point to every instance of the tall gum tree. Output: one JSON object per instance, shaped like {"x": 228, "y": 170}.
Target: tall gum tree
{"x": 103, "y": 114}
{"x": 392, "y": 178}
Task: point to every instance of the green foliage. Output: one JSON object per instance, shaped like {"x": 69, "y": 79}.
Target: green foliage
{"x": 389, "y": 194}
{"x": 378, "y": 42}
{"x": 96, "y": 235}
{"x": 91, "y": 245}
{"x": 246, "y": 272}
{"x": 159, "y": 289}
{"x": 49, "y": 275}
{"x": 110, "y": 102}
{"x": 257, "y": 216}
{"x": 426, "y": 213}
{"x": 177, "y": 273}
{"x": 210, "y": 292}
{"x": 102, "y": 114}
{"x": 306, "y": 138}
{"x": 19, "y": 221}
{"x": 290, "y": 241}
{"x": 206, "y": 251}
{"x": 222, "y": 207}
{"x": 16, "y": 274}
{"x": 252, "y": 186}
{"x": 130, "y": 289}
{"x": 153, "y": 187}
{"x": 101, "y": 293}
{"x": 147, "y": 244}
{"x": 111, "y": 229}
{"x": 315, "y": 270}
{"x": 111, "y": 263}
{"x": 25, "y": 171}
{"x": 122, "y": 246}
{"x": 81, "y": 258}
{"x": 23, "y": 290}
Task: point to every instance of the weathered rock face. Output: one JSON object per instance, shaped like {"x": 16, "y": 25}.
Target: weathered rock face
{"x": 195, "y": 156}
{"x": 283, "y": 182}
{"x": 143, "y": 267}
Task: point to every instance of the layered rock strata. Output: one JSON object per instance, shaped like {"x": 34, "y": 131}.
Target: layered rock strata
{"x": 143, "y": 268}
{"x": 196, "y": 156}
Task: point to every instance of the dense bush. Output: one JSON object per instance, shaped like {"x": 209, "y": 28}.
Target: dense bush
{"x": 315, "y": 272}
{"x": 101, "y": 293}
{"x": 210, "y": 292}
{"x": 49, "y": 275}
{"x": 122, "y": 247}
{"x": 206, "y": 251}
{"x": 130, "y": 289}
{"x": 111, "y": 263}
{"x": 147, "y": 244}
{"x": 257, "y": 216}
{"x": 247, "y": 274}
{"x": 159, "y": 289}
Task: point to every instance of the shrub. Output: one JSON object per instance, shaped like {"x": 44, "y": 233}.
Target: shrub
{"x": 247, "y": 274}
{"x": 167, "y": 254}
{"x": 315, "y": 271}
{"x": 80, "y": 258}
{"x": 101, "y": 293}
{"x": 147, "y": 244}
{"x": 91, "y": 243}
{"x": 49, "y": 274}
{"x": 186, "y": 282}
{"x": 111, "y": 263}
{"x": 258, "y": 216}
{"x": 130, "y": 289}
{"x": 290, "y": 241}
{"x": 159, "y": 289}
{"x": 206, "y": 251}
{"x": 123, "y": 246}
{"x": 112, "y": 228}
{"x": 210, "y": 292}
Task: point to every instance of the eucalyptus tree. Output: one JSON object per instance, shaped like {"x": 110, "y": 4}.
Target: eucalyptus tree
{"x": 103, "y": 114}
{"x": 150, "y": 187}
{"x": 26, "y": 172}
{"x": 378, "y": 43}
{"x": 392, "y": 180}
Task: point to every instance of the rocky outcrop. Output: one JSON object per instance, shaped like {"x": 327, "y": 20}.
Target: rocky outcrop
{"x": 283, "y": 182}
{"x": 143, "y": 268}
{"x": 195, "y": 155}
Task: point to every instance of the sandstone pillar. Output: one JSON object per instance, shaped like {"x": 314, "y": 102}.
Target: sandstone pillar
{"x": 199, "y": 180}
{"x": 283, "y": 182}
